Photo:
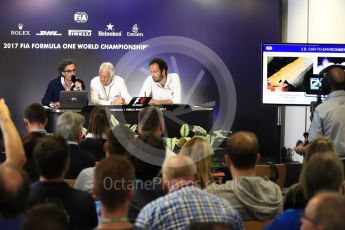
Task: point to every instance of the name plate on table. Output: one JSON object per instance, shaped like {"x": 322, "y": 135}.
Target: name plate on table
{"x": 173, "y": 107}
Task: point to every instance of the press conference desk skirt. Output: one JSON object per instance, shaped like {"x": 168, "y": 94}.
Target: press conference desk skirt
{"x": 174, "y": 117}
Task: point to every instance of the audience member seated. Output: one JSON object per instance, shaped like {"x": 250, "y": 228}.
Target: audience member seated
{"x": 70, "y": 126}
{"x": 51, "y": 155}
{"x": 294, "y": 198}
{"x": 14, "y": 150}
{"x": 324, "y": 172}
{"x": 35, "y": 119}
{"x": 114, "y": 187}
{"x": 200, "y": 151}
{"x": 118, "y": 141}
{"x": 324, "y": 211}
{"x": 96, "y": 132}
{"x": 30, "y": 140}
{"x": 186, "y": 202}
{"x": 254, "y": 197}
{"x": 146, "y": 159}
{"x": 151, "y": 123}
{"x": 45, "y": 216}
{"x": 14, "y": 190}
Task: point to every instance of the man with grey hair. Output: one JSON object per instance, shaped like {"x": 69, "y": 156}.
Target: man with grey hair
{"x": 108, "y": 88}
{"x": 186, "y": 203}
{"x": 70, "y": 125}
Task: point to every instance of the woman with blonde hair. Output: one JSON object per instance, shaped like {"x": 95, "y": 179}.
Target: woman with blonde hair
{"x": 200, "y": 151}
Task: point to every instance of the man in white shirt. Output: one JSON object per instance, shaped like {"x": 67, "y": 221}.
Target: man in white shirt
{"x": 107, "y": 88}
{"x": 164, "y": 88}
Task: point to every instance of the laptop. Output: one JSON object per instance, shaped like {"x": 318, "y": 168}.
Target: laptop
{"x": 73, "y": 99}
{"x": 139, "y": 101}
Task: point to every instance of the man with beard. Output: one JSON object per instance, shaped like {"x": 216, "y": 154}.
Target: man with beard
{"x": 66, "y": 81}
{"x": 164, "y": 88}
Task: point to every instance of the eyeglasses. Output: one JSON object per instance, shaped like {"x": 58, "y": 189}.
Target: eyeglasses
{"x": 70, "y": 70}
{"x": 303, "y": 216}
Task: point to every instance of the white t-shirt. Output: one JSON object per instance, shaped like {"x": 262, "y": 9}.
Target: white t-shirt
{"x": 104, "y": 95}
{"x": 171, "y": 90}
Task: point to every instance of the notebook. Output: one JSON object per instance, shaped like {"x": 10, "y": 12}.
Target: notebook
{"x": 73, "y": 99}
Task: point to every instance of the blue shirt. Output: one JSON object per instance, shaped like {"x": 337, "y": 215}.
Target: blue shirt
{"x": 289, "y": 220}
{"x": 186, "y": 204}
{"x": 13, "y": 223}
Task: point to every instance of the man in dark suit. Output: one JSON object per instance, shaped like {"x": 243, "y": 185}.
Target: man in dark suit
{"x": 66, "y": 81}
{"x": 70, "y": 125}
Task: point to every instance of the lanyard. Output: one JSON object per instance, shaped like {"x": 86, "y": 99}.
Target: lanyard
{"x": 105, "y": 92}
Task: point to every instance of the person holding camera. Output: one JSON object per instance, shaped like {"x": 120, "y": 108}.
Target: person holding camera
{"x": 329, "y": 117}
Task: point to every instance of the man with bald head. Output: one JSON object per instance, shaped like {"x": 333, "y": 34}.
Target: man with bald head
{"x": 329, "y": 119}
{"x": 324, "y": 211}
{"x": 186, "y": 203}
{"x": 255, "y": 198}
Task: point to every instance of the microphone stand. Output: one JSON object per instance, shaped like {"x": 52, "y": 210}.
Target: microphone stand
{"x": 278, "y": 130}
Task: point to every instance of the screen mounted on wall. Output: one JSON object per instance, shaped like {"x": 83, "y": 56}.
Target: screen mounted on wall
{"x": 288, "y": 68}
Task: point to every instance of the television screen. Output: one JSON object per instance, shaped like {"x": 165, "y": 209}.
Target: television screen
{"x": 290, "y": 71}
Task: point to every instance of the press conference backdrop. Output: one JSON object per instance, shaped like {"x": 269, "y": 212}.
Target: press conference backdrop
{"x": 213, "y": 45}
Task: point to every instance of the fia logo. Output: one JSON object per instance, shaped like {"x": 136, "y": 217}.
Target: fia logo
{"x": 80, "y": 17}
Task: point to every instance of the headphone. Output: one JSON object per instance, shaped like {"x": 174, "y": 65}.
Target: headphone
{"x": 327, "y": 79}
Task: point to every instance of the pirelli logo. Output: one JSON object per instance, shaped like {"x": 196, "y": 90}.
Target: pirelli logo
{"x": 80, "y": 33}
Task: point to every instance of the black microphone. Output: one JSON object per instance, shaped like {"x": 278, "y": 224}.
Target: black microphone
{"x": 74, "y": 78}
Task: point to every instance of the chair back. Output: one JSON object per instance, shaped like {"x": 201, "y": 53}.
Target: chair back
{"x": 278, "y": 173}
